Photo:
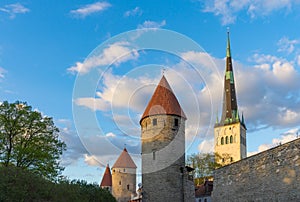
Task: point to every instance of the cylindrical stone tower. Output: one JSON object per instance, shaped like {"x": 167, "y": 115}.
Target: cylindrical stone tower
{"x": 124, "y": 177}
{"x": 163, "y": 147}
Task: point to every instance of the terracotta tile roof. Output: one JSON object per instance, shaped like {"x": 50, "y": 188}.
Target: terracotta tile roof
{"x": 163, "y": 101}
{"x": 106, "y": 180}
{"x": 124, "y": 161}
{"x": 204, "y": 189}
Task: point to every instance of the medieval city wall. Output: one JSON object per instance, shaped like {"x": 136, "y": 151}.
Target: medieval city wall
{"x": 272, "y": 175}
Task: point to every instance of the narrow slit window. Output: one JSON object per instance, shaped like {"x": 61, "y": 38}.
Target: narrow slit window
{"x": 154, "y": 122}
{"x": 153, "y": 153}
{"x": 176, "y": 122}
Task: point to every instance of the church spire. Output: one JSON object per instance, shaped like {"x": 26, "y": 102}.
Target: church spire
{"x": 228, "y": 54}
{"x": 230, "y": 109}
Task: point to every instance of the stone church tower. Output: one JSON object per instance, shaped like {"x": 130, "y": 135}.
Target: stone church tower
{"x": 230, "y": 131}
{"x": 164, "y": 175}
{"x": 124, "y": 177}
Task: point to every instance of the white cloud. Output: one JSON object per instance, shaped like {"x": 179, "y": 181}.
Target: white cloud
{"x": 91, "y": 160}
{"x": 287, "y": 45}
{"x": 148, "y": 24}
{"x": 298, "y": 60}
{"x": 206, "y": 146}
{"x": 267, "y": 93}
{"x": 288, "y": 136}
{"x": 134, "y": 12}
{"x": 229, "y": 10}
{"x": 116, "y": 54}
{"x": 2, "y": 73}
{"x": 110, "y": 135}
{"x": 75, "y": 149}
{"x": 90, "y": 9}
{"x": 92, "y": 103}
{"x": 13, "y": 9}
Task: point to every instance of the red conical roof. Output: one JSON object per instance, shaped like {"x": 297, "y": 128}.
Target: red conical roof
{"x": 106, "y": 180}
{"x": 124, "y": 161}
{"x": 163, "y": 101}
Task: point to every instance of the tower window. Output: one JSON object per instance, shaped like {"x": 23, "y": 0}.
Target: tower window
{"x": 119, "y": 182}
{"x": 128, "y": 187}
{"x": 231, "y": 139}
{"x": 222, "y": 140}
{"x": 154, "y": 122}
{"x": 176, "y": 122}
{"x": 153, "y": 153}
{"x": 231, "y": 159}
{"x": 226, "y": 140}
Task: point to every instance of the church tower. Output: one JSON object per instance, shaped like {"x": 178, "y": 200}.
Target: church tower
{"x": 106, "y": 182}
{"x": 230, "y": 131}
{"x": 124, "y": 177}
{"x": 164, "y": 175}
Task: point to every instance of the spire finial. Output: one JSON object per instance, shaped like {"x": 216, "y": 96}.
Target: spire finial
{"x": 228, "y": 54}
{"x": 163, "y": 71}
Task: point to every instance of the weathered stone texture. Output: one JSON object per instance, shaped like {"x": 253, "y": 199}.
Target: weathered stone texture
{"x": 164, "y": 177}
{"x": 123, "y": 183}
{"x": 273, "y": 175}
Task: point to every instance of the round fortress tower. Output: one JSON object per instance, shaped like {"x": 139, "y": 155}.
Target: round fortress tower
{"x": 163, "y": 146}
{"x": 123, "y": 177}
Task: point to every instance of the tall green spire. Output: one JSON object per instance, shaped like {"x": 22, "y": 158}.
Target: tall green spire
{"x": 230, "y": 108}
{"x": 228, "y": 54}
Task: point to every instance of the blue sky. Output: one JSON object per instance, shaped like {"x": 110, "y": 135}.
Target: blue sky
{"x": 46, "y": 59}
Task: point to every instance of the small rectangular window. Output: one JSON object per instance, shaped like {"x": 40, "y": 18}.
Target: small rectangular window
{"x": 154, "y": 121}
{"x": 176, "y": 122}
{"x": 153, "y": 155}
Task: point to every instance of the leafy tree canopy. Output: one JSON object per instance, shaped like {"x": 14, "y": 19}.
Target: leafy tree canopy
{"x": 29, "y": 140}
{"x": 17, "y": 184}
{"x": 204, "y": 165}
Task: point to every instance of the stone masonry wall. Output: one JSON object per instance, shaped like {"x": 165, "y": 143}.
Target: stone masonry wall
{"x": 272, "y": 175}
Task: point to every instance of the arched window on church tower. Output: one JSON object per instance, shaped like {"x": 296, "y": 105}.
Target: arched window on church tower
{"x": 226, "y": 140}
{"x": 222, "y": 140}
{"x": 231, "y": 139}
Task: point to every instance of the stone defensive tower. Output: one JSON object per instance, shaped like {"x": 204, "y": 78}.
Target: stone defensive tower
{"x": 124, "y": 177}
{"x": 106, "y": 182}
{"x": 230, "y": 131}
{"x": 164, "y": 176}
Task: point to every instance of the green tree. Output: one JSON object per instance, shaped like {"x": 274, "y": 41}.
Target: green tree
{"x": 19, "y": 184}
{"x": 204, "y": 165}
{"x": 29, "y": 140}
